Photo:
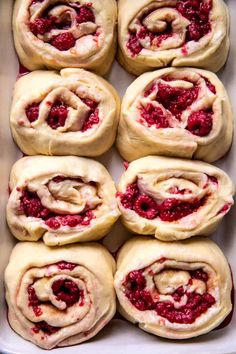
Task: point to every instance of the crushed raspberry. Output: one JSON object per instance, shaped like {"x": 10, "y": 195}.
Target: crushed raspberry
{"x": 66, "y": 290}
{"x": 199, "y": 274}
{"x": 146, "y": 207}
{"x": 41, "y": 25}
{"x": 83, "y": 219}
{"x": 63, "y": 265}
{"x": 57, "y": 116}
{"x": 176, "y": 99}
{"x": 128, "y": 198}
{"x": 170, "y": 209}
{"x": 33, "y": 301}
{"x": 154, "y": 116}
{"x": 63, "y": 41}
{"x": 210, "y": 85}
{"x": 173, "y": 209}
{"x": 45, "y": 328}
{"x": 213, "y": 179}
{"x": 133, "y": 45}
{"x": 93, "y": 114}
{"x": 200, "y": 123}
{"x": 31, "y": 205}
{"x": 85, "y": 14}
{"x": 126, "y": 165}
{"x": 196, "y": 11}
{"x": 32, "y": 112}
{"x": 225, "y": 208}
{"x": 141, "y": 298}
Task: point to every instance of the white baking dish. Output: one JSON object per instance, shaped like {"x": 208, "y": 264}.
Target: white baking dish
{"x": 119, "y": 336}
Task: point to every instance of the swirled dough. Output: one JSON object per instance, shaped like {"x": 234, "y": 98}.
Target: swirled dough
{"x": 155, "y": 34}
{"x": 181, "y": 112}
{"x": 175, "y": 290}
{"x": 173, "y": 199}
{"x": 59, "y": 296}
{"x": 62, "y": 199}
{"x": 55, "y": 34}
{"x": 71, "y": 112}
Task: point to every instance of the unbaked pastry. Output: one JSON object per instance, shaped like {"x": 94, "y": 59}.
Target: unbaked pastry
{"x": 173, "y": 199}
{"x": 62, "y": 199}
{"x": 154, "y": 34}
{"x": 176, "y": 112}
{"x": 175, "y": 290}
{"x": 59, "y": 296}
{"x": 58, "y": 34}
{"x": 71, "y": 112}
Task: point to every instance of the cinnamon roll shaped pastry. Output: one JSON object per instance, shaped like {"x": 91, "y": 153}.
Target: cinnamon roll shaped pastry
{"x": 59, "y": 296}
{"x": 71, "y": 112}
{"x": 173, "y": 199}
{"x": 62, "y": 199}
{"x": 181, "y": 112}
{"x": 175, "y": 290}
{"x": 155, "y": 34}
{"x": 58, "y": 34}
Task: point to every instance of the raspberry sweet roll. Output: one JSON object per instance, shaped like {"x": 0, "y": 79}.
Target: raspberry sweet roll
{"x": 62, "y": 199}
{"x": 173, "y": 199}
{"x": 71, "y": 112}
{"x": 176, "y": 112}
{"x": 58, "y": 34}
{"x": 59, "y": 296}
{"x": 175, "y": 290}
{"x": 155, "y": 34}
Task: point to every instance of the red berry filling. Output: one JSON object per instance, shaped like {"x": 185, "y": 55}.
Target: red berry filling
{"x": 200, "y": 123}
{"x": 57, "y": 116}
{"x": 33, "y": 301}
{"x": 31, "y": 206}
{"x": 63, "y": 41}
{"x": 176, "y": 99}
{"x": 85, "y": 14}
{"x": 196, "y": 11}
{"x": 63, "y": 265}
{"x": 67, "y": 291}
{"x": 42, "y": 25}
{"x": 171, "y": 209}
{"x": 93, "y": 115}
{"x": 32, "y": 112}
{"x": 45, "y": 328}
{"x": 154, "y": 116}
{"x": 141, "y": 298}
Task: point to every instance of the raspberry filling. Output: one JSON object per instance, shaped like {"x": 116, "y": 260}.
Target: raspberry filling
{"x": 57, "y": 116}
{"x": 196, "y": 11}
{"x": 137, "y": 293}
{"x": 31, "y": 206}
{"x": 33, "y": 301}
{"x": 200, "y": 123}
{"x": 67, "y": 291}
{"x": 59, "y": 113}
{"x": 170, "y": 209}
{"x": 32, "y": 112}
{"x": 176, "y": 99}
{"x": 93, "y": 115}
{"x": 63, "y": 265}
{"x": 45, "y": 328}
{"x": 63, "y": 41}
